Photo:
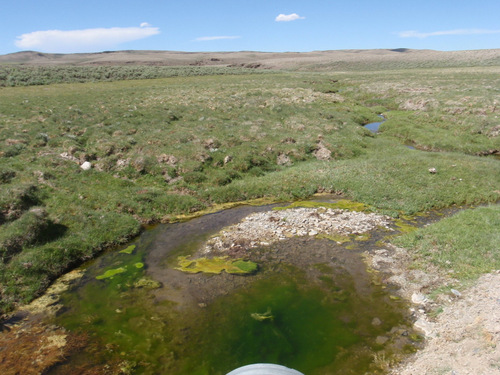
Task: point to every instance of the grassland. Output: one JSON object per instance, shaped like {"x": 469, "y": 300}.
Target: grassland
{"x": 159, "y": 148}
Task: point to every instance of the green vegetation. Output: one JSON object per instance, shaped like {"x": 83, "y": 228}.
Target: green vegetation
{"x": 217, "y": 265}
{"x": 260, "y": 317}
{"x": 19, "y": 75}
{"x": 272, "y": 319}
{"x": 111, "y": 273}
{"x": 163, "y": 148}
{"x": 128, "y": 250}
{"x": 342, "y": 204}
{"x": 466, "y": 245}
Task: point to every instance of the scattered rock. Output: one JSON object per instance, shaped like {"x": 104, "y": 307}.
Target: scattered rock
{"x": 425, "y": 326}
{"x": 419, "y": 299}
{"x": 86, "y": 166}
{"x": 68, "y": 156}
{"x": 121, "y": 163}
{"x": 465, "y": 336}
{"x": 264, "y": 228}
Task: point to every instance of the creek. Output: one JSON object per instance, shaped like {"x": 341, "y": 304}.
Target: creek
{"x": 373, "y": 126}
{"x": 313, "y": 305}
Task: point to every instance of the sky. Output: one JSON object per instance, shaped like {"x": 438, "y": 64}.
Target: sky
{"x": 74, "y": 26}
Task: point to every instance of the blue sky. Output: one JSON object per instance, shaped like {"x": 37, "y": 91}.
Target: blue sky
{"x": 65, "y": 26}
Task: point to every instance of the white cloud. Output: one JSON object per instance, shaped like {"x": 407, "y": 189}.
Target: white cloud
{"x": 417, "y": 34}
{"x": 87, "y": 40}
{"x": 288, "y": 17}
{"x": 208, "y": 38}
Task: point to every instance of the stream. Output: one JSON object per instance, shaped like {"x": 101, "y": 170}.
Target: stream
{"x": 373, "y": 126}
{"x": 313, "y": 305}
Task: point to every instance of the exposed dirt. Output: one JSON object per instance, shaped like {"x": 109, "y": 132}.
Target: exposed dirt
{"x": 462, "y": 328}
{"x": 465, "y": 337}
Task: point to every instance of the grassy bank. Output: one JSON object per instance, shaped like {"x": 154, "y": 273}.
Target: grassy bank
{"x": 159, "y": 148}
{"x": 465, "y": 245}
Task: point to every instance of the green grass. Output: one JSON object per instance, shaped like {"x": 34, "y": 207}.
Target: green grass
{"x": 465, "y": 245}
{"x": 161, "y": 148}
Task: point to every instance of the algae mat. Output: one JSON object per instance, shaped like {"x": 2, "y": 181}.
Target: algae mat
{"x": 311, "y": 306}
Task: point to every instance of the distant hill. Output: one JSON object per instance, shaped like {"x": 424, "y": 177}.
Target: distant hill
{"x": 316, "y": 60}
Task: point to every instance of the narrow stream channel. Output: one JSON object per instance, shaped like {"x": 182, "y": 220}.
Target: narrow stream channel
{"x": 373, "y": 126}
{"x": 312, "y": 306}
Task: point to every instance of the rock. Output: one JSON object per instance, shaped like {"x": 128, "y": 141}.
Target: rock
{"x": 86, "y": 166}
{"x": 419, "y": 299}
{"x": 228, "y": 159}
{"x": 432, "y": 170}
{"x": 121, "y": 163}
{"x": 425, "y": 326}
{"x": 381, "y": 340}
{"x": 376, "y": 322}
{"x": 68, "y": 156}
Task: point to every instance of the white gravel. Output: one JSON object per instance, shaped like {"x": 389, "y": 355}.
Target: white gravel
{"x": 265, "y": 228}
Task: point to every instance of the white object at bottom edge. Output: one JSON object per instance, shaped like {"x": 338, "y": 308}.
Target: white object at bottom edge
{"x": 264, "y": 369}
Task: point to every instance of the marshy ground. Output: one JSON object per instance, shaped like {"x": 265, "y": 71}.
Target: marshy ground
{"x": 159, "y": 149}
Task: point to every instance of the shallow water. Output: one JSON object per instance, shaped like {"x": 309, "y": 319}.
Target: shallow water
{"x": 373, "y": 126}
{"x": 312, "y": 306}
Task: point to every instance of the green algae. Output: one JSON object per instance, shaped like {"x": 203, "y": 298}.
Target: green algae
{"x": 109, "y": 274}
{"x": 342, "y": 204}
{"x": 323, "y": 268}
{"x": 139, "y": 265}
{"x": 405, "y": 226}
{"x": 340, "y": 239}
{"x": 260, "y": 317}
{"x": 129, "y": 250}
{"x": 147, "y": 283}
{"x": 283, "y": 318}
{"x": 216, "y": 265}
{"x": 363, "y": 237}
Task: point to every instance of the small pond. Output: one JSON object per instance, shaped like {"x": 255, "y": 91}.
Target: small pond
{"x": 312, "y": 306}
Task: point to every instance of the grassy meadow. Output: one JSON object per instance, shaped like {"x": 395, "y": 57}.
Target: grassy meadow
{"x": 164, "y": 147}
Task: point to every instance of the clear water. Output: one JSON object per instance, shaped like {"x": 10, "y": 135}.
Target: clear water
{"x": 373, "y": 126}
{"x": 317, "y": 299}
